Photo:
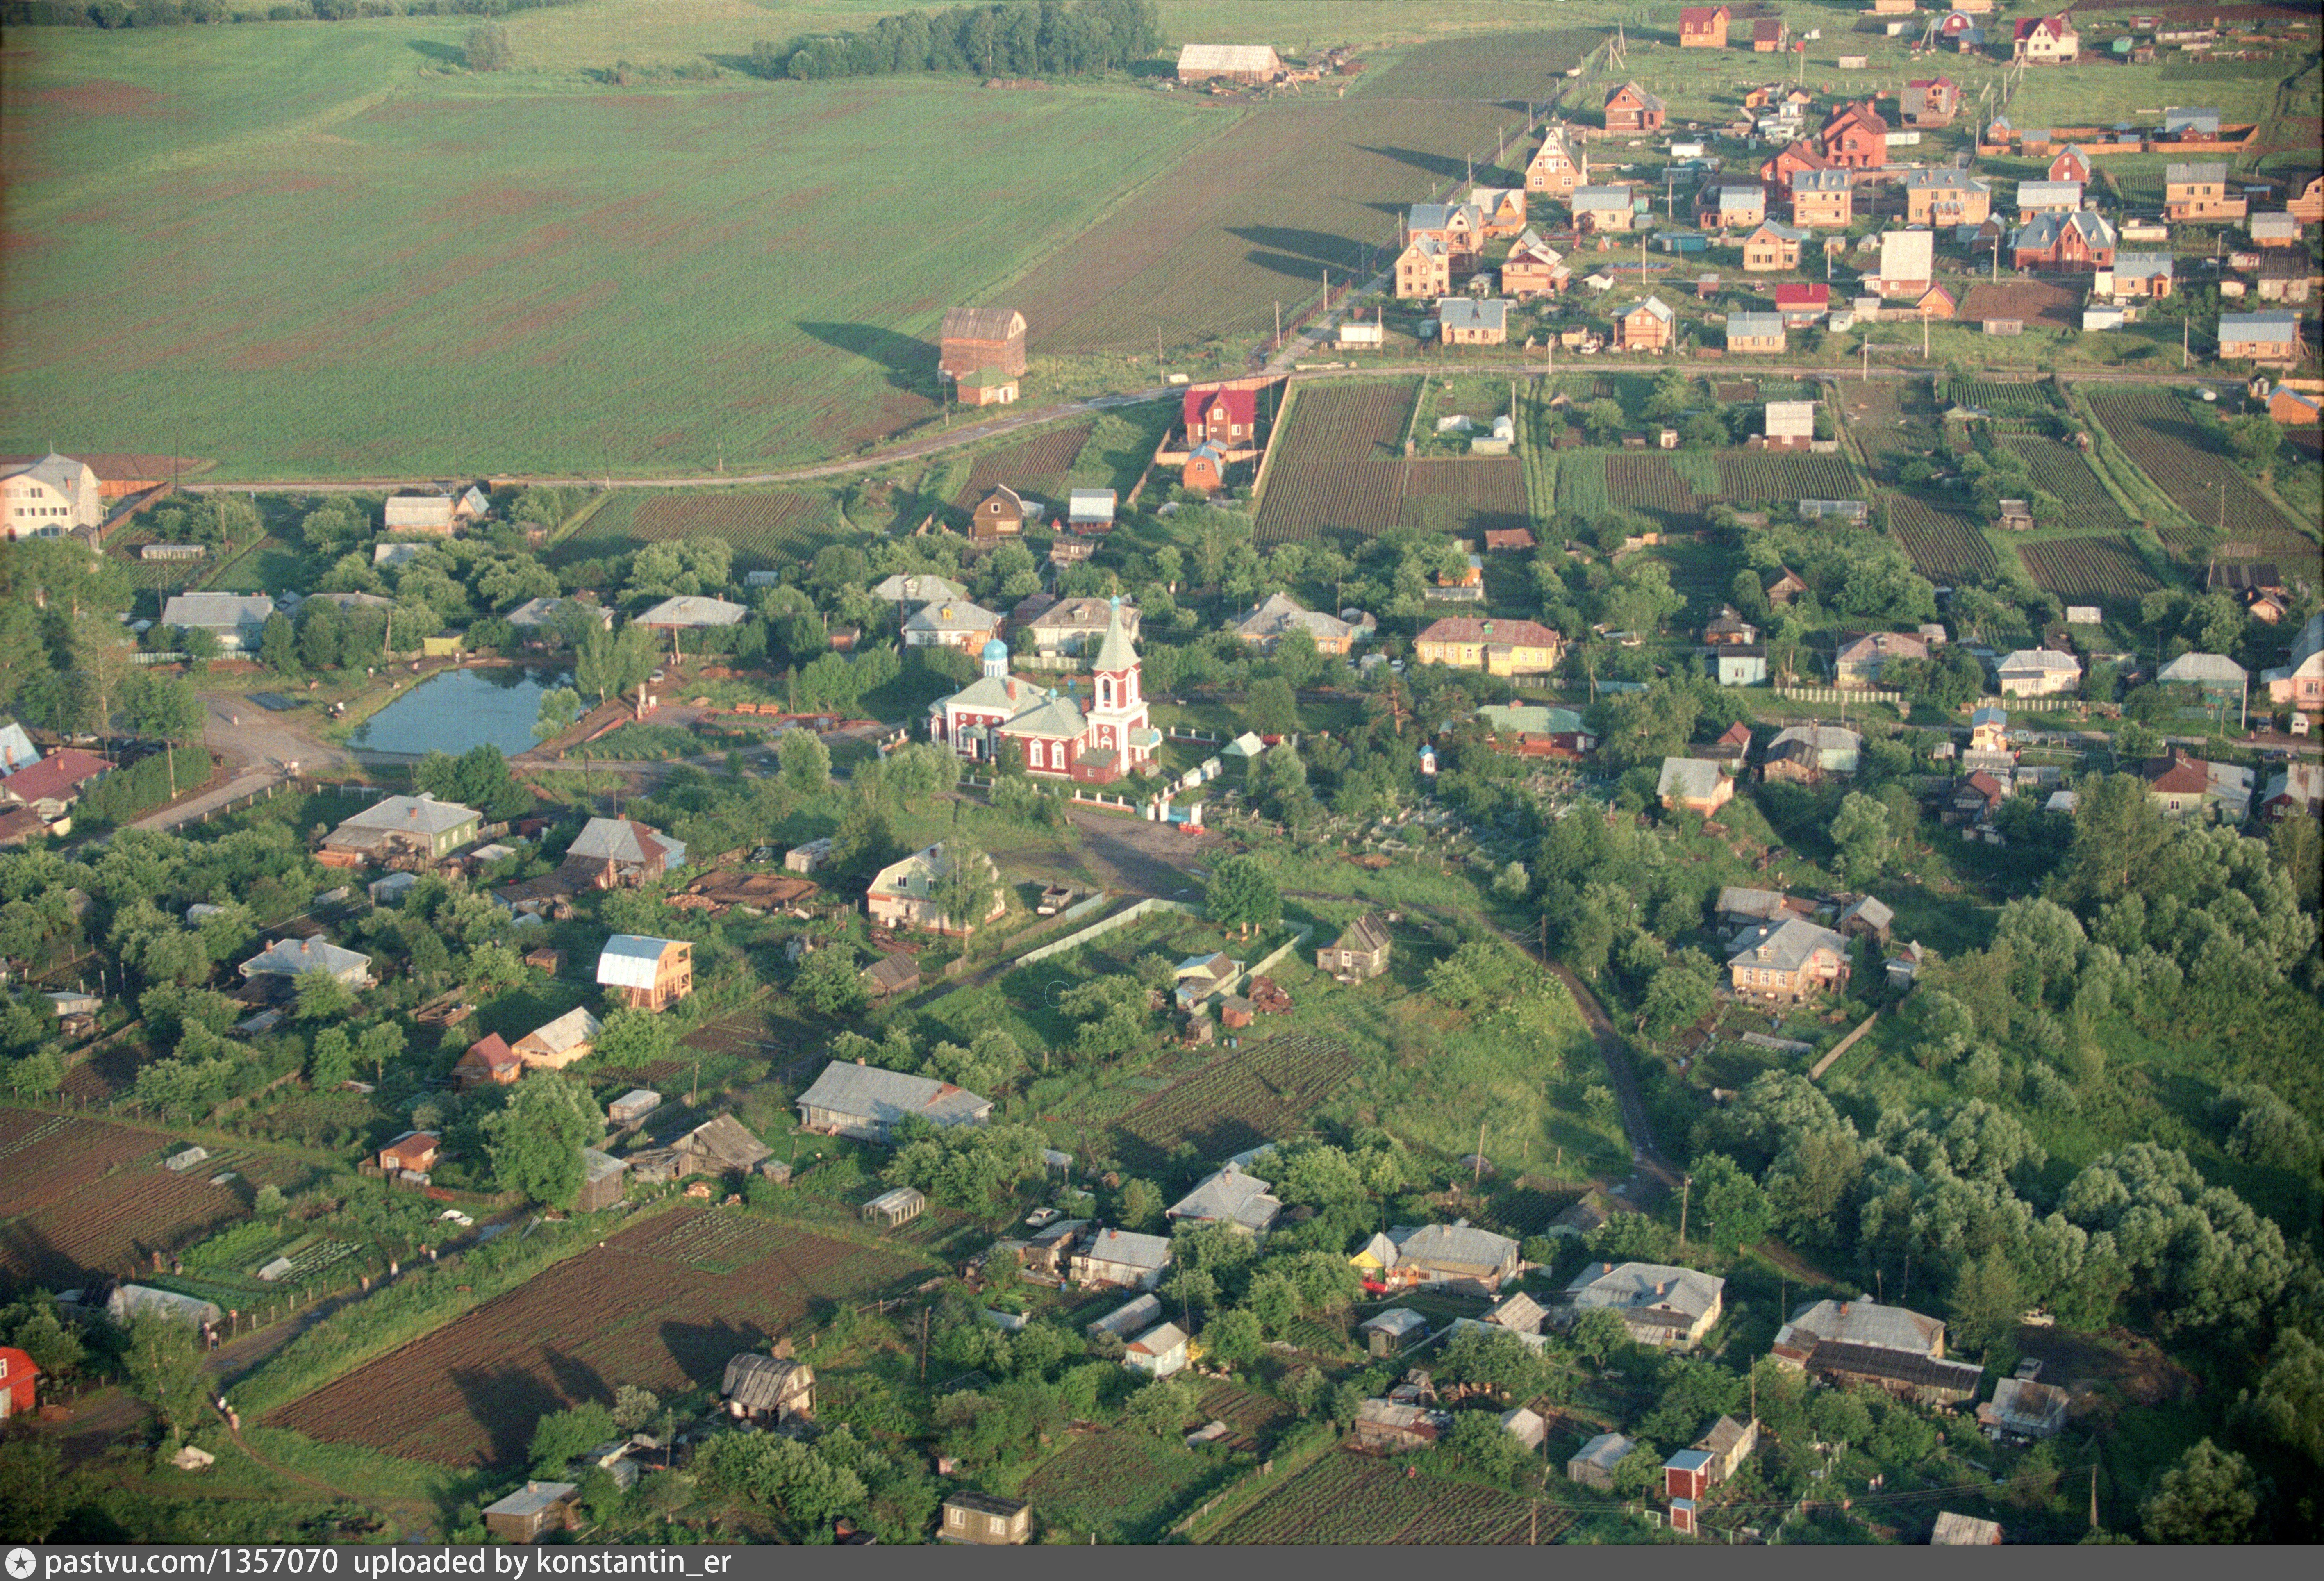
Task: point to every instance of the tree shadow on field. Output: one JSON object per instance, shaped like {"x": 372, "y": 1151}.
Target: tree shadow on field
{"x": 441, "y": 54}
{"x": 508, "y": 1402}
{"x": 911, "y": 363}
{"x": 1436, "y": 164}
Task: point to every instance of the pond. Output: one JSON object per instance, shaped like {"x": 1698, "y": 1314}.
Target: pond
{"x": 492, "y": 705}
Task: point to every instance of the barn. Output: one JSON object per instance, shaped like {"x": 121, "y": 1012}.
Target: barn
{"x": 1249, "y": 63}
{"x": 976, "y": 339}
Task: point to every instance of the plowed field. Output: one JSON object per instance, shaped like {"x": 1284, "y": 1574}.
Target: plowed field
{"x": 2087, "y": 570}
{"x": 1263, "y": 1093}
{"x": 44, "y": 1156}
{"x": 1037, "y": 466}
{"x": 663, "y": 1305}
{"x": 1946, "y": 547}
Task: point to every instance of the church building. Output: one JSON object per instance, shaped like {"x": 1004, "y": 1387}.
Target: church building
{"x": 1053, "y": 734}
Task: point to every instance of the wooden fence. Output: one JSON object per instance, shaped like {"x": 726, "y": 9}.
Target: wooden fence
{"x": 1815, "y": 1072}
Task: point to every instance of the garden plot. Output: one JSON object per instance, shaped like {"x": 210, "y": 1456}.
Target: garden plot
{"x": 1349, "y": 1498}
{"x": 1262, "y": 1093}
{"x": 1944, "y": 546}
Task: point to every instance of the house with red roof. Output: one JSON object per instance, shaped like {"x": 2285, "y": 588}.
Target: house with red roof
{"x": 1802, "y": 302}
{"x": 2045, "y": 41}
{"x": 1703, "y": 27}
{"x": 489, "y": 1062}
{"x": 1221, "y": 416}
{"x": 1797, "y": 155}
{"x": 2178, "y": 782}
{"x": 1855, "y": 138}
{"x": 54, "y": 783}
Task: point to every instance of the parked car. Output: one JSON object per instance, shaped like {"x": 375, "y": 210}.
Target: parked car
{"x": 1040, "y": 1219}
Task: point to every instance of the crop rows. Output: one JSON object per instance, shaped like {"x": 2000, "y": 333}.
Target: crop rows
{"x": 2170, "y": 448}
{"x": 1247, "y": 1096}
{"x": 468, "y": 1394}
{"x": 1036, "y": 466}
{"x": 1945, "y": 548}
{"x": 1462, "y": 496}
{"x": 1652, "y": 485}
{"x": 765, "y": 530}
{"x": 2088, "y": 569}
{"x": 1768, "y": 476}
{"x": 44, "y": 1157}
{"x": 1332, "y": 470}
{"x": 2059, "y": 469}
{"x": 2000, "y": 397}
{"x": 1123, "y": 1485}
{"x": 1351, "y": 421}
{"x": 112, "y": 1225}
{"x": 1254, "y": 1417}
{"x": 1348, "y": 1498}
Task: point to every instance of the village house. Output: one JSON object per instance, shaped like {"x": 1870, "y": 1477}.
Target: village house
{"x": 2147, "y": 276}
{"x": 1755, "y": 332}
{"x": 688, "y": 612}
{"x": 650, "y": 973}
{"x": 1602, "y": 208}
{"x": 1859, "y": 660}
{"x": 1855, "y": 138}
{"x": 987, "y": 1519}
{"x": 915, "y": 589}
{"x": 1887, "y": 1347}
{"x": 1503, "y": 211}
{"x": 1650, "y": 325}
{"x": 1772, "y": 247}
{"x": 556, "y": 1044}
{"x": 1158, "y": 1352}
{"x": 1907, "y": 261}
{"x": 2190, "y": 124}
{"x": 278, "y": 967}
{"x": 720, "y": 1146}
{"x": 2218, "y": 678}
{"x": 622, "y": 853}
{"x": 1460, "y": 321}
{"x": 1073, "y": 628}
{"x": 1947, "y": 197}
{"x": 1122, "y": 1259}
{"x": 1223, "y": 416}
{"x": 1631, "y": 108}
{"x": 1806, "y": 754}
{"x": 2291, "y": 409}
{"x": 1694, "y": 785}
{"x": 1728, "y": 208}
{"x": 1277, "y": 615}
{"x": 432, "y": 516}
{"x": 1823, "y": 199}
{"x": 974, "y": 338}
{"x": 1671, "y": 1308}
{"x": 999, "y": 516}
{"x": 1532, "y": 269}
{"x": 1454, "y": 1256}
{"x": 953, "y": 624}
{"x": 1229, "y": 1196}
{"x": 1559, "y": 165}
{"x": 2178, "y": 783}
{"x": 1392, "y": 1427}
{"x": 1975, "y": 798}
{"x": 1249, "y": 64}
{"x": 1056, "y": 736}
{"x": 2037, "y": 672}
{"x": 2081, "y": 240}
{"x": 1866, "y": 917}
{"x": 868, "y": 1103}
{"x": 2284, "y": 277}
{"x": 489, "y": 1062}
{"x": 1957, "y": 1531}
{"x": 1424, "y": 270}
{"x": 2024, "y": 1409}
{"x": 2045, "y": 41}
{"x": 770, "y": 1390}
{"x": 1789, "y": 425}
{"x": 50, "y": 786}
{"x": 1361, "y": 952}
{"x": 908, "y": 894}
{"x": 236, "y": 619}
{"x": 1728, "y": 1443}
{"x": 2198, "y": 189}
{"x": 1799, "y": 154}
{"x": 533, "y": 1509}
{"x": 1788, "y": 962}
{"x": 1702, "y": 27}
{"x": 544, "y": 617}
{"x": 1497, "y": 647}
{"x": 2294, "y": 789}
{"x": 1388, "y": 1333}
{"x": 1931, "y": 101}
{"x": 1802, "y": 303}
{"x": 55, "y": 496}
{"x": 1461, "y": 227}
{"x": 413, "y": 1153}
{"x": 2039, "y": 198}
{"x": 1741, "y": 907}
{"x": 986, "y": 387}
{"x": 19, "y": 1394}
{"x": 2268, "y": 339}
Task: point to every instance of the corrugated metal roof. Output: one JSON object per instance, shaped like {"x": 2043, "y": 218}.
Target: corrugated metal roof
{"x": 1224, "y": 58}
{"x": 1456, "y": 1246}
{"x": 629, "y": 960}
{"x": 882, "y": 1097}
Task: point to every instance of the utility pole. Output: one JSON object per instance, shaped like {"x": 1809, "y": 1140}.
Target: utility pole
{"x": 1686, "y": 1187}
{"x": 1479, "y": 1180}
{"x": 2185, "y": 326}
{"x": 2094, "y": 1496}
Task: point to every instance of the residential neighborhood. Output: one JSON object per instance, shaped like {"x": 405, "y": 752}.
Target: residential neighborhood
{"x": 1467, "y": 779}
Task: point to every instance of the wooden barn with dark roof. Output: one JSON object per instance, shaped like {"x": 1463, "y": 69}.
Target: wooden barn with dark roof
{"x": 974, "y": 338}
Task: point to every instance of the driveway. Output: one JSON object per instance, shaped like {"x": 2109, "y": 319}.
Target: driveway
{"x": 257, "y": 747}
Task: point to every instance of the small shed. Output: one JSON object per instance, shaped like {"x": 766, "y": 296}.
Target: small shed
{"x": 769, "y": 1389}
{"x": 892, "y": 974}
{"x": 985, "y": 1518}
{"x": 1525, "y": 1427}
{"x": 633, "y": 1105}
{"x": 415, "y": 1150}
{"x": 1388, "y": 1333}
{"x": 533, "y": 1509}
{"x": 602, "y": 1182}
{"x": 890, "y": 1208}
{"x": 1594, "y": 1466}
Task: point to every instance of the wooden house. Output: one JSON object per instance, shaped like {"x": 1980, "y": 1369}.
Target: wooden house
{"x": 2198, "y": 189}
{"x": 1251, "y": 65}
{"x": 535, "y": 1508}
{"x": 1503, "y": 209}
{"x": 1600, "y": 209}
{"x": 1461, "y": 227}
{"x": 1558, "y": 166}
{"x": 602, "y": 1183}
{"x": 906, "y": 895}
{"x": 1887, "y": 1347}
{"x": 1462, "y": 321}
{"x": 1631, "y": 108}
{"x": 1694, "y": 785}
{"x": 770, "y": 1390}
{"x": 868, "y": 1103}
{"x": 406, "y": 832}
{"x": 1120, "y": 1257}
{"x": 1389, "y": 1427}
{"x": 1730, "y": 209}
{"x": 1593, "y": 1465}
{"x": 650, "y": 973}
{"x": 1456, "y": 1257}
{"x": 414, "y": 1151}
{"x": 19, "y": 1376}
{"x": 1703, "y": 27}
{"x": 556, "y": 1044}
{"x": 278, "y": 969}
{"x": 2305, "y": 197}
{"x": 1497, "y": 647}
{"x": 974, "y": 338}
{"x": 987, "y": 1519}
{"x": 1957, "y": 1531}
{"x": 892, "y": 974}
{"x": 1650, "y": 325}
{"x": 999, "y": 515}
{"x": 489, "y": 1062}
{"x": 1788, "y": 962}
{"x": 1361, "y": 952}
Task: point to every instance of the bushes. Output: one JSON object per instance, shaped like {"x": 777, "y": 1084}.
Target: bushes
{"x": 144, "y": 785}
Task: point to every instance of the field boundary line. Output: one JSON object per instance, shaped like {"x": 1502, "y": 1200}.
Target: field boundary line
{"x": 573, "y": 523}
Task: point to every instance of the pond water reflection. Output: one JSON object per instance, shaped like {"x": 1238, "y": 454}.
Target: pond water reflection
{"x": 493, "y": 705}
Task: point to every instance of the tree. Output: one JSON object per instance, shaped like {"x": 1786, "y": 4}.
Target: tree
{"x": 1861, "y": 836}
{"x": 1987, "y": 1301}
{"x": 1241, "y": 894}
{"x": 1161, "y": 1407}
{"x": 807, "y": 761}
{"x": 1269, "y": 706}
{"x": 633, "y": 1037}
{"x": 610, "y": 664}
{"x": 1600, "y": 1334}
{"x": 560, "y": 1436}
{"x": 1733, "y": 1205}
{"x": 488, "y": 48}
{"x": 1233, "y": 1336}
{"x": 1140, "y": 1207}
{"x": 828, "y": 983}
{"x": 2210, "y": 1497}
{"x": 635, "y": 1409}
{"x": 167, "y": 1371}
{"x": 535, "y": 1143}
{"x": 2288, "y": 1405}
{"x": 33, "y": 1487}
{"x": 320, "y": 996}
{"x": 560, "y": 710}
{"x": 967, "y": 888}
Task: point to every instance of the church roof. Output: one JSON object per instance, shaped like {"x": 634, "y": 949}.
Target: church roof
{"x": 1116, "y": 653}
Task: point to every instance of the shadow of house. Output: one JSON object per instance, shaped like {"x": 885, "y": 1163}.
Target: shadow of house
{"x": 1294, "y": 251}
{"x": 702, "y": 1350}
{"x": 910, "y": 363}
{"x": 1420, "y": 159}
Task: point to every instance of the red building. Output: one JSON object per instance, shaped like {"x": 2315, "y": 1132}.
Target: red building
{"x": 16, "y": 1386}
{"x": 1222, "y": 417}
{"x": 1799, "y": 155}
{"x": 1631, "y": 108}
{"x": 1855, "y": 138}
